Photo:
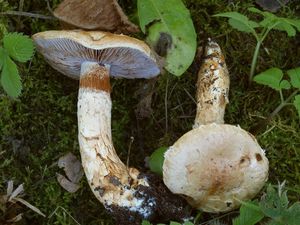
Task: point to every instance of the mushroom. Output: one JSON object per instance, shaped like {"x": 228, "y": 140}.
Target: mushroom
{"x": 215, "y": 165}
{"x": 91, "y": 57}
{"x": 104, "y": 15}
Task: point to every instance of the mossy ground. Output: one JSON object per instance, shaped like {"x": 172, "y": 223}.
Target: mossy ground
{"x": 41, "y": 125}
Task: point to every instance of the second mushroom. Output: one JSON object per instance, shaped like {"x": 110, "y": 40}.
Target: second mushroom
{"x": 215, "y": 165}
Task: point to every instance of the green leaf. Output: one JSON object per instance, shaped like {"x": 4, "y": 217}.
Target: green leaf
{"x": 174, "y": 223}
{"x": 18, "y": 46}
{"x": 284, "y": 84}
{"x": 271, "y": 77}
{"x": 285, "y": 26}
{"x": 294, "y": 74}
{"x": 188, "y": 223}
{"x": 3, "y": 55}
{"x": 146, "y": 222}
{"x": 250, "y": 214}
{"x": 10, "y": 78}
{"x": 275, "y": 204}
{"x": 169, "y": 22}
{"x": 255, "y": 10}
{"x": 156, "y": 160}
{"x": 297, "y": 103}
{"x": 294, "y": 22}
{"x": 293, "y": 215}
{"x": 240, "y": 22}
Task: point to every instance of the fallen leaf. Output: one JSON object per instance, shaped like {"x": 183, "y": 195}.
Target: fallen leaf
{"x": 105, "y": 15}
{"x": 16, "y": 218}
{"x": 71, "y": 166}
{"x": 35, "y": 209}
{"x": 271, "y": 5}
{"x": 16, "y": 192}
{"x": 66, "y": 184}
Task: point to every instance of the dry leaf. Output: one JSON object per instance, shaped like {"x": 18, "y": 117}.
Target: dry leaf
{"x": 73, "y": 170}
{"x": 16, "y": 218}
{"x": 71, "y": 166}
{"x": 105, "y": 15}
{"x": 16, "y": 192}
{"x": 271, "y": 5}
{"x": 66, "y": 184}
{"x": 29, "y": 206}
{"x": 11, "y": 196}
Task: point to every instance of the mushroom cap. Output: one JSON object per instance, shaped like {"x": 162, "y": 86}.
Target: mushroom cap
{"x": 214, "y": 166}
{"x": 127, "y": 57}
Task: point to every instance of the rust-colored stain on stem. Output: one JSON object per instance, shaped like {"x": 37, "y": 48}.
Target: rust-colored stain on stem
{"x": 97, "y": 79}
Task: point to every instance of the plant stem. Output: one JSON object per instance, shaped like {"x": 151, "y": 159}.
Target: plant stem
{"x": 256, "y": 129}
{"x": 259, "y": 40}
{"x": 281, "y": 105}
{"x": 254, "y": 60}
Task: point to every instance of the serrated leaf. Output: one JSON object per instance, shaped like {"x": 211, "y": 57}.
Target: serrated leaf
{"x": 271, "y": 77}
{"x": 20, "y": 47}
{"x": 250, "y": 214}
{"x": 294, "y": 74}
{"x": 284, "y": 84}
{"x": 294, "y": 22}
{"x": 10, "y": 78}
{"x": 293, "y": 216}
{"x": 297, "y": 103}
{"x": 240, "y": 21}
{"x": 275, "y": 204}
{"x": 240, "y": 25}
{"x": 284, "y": 26}
{"x": 171, "y": 19}
{"x": 156, "y": 160}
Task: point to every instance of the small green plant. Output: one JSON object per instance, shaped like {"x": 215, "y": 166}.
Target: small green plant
{"x": 273, "y": 207}
{"x": 273, "y": 78}
{"x": 156, "y": 160}
{"x": 18, "y": 47}
{"x": 261, "y": 29}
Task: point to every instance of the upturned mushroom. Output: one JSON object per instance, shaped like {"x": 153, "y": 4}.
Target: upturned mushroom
{"x": 215, "y": 165}
{"x": 91, "y": 57}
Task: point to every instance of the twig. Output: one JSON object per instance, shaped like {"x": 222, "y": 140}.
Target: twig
{"x": 166, "y": 104}
{"x": 49, "y": 7}
{"x": 27, "y": 14}
{"x": 63, "y": 209}
{"x": 129, "y": 150}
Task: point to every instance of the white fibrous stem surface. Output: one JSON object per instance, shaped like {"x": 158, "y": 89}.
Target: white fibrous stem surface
{"x": 110, "y": 180}
{"x": 212, "y": 87}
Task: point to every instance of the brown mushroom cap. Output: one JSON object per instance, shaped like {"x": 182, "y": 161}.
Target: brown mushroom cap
{"x": 67, "y": 50}
{"x": 94, "y": 15}
{"x": 214, "y": 166}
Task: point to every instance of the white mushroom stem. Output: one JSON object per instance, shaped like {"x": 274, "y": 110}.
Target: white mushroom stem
{"x": 110, "y": 180}
{"x": 212, "y": 87}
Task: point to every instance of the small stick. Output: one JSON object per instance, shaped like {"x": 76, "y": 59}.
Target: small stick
{"x": 27, "y": 14}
